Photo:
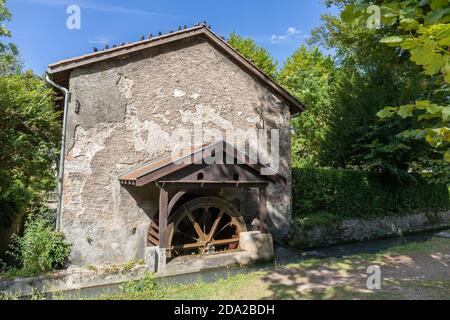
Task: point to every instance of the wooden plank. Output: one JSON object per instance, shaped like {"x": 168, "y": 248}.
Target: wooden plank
{"x": 163, "y": 217}
{"x": 211, "y": 184}
{"x": 197, "y": 227}
{"x": 153, "y": 241}
{"x": 224, "y": 241}
{"x": 154, "y": 233}
{"x": 214, "y": 227}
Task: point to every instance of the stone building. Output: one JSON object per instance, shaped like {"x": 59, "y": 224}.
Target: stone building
{"x": 123, "y": 191}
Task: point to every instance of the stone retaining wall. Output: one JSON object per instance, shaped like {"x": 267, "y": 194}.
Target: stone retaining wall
{"x": 368, "y": 229}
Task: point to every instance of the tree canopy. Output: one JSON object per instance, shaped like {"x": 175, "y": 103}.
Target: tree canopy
{"x": 29, "y": 132}
{"x": 308, "y": 75}
{"x": 259, "y": 56}
{"x": 369, "y": 75}
{"x": 9, "y": 61}
{"x": 421, "y": 31}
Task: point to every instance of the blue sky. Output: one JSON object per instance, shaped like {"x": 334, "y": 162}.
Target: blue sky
{"x": 39, "y": 26}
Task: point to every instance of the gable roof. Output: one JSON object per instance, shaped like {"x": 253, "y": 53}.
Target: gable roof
{"x": 158, "y": 169}
{"x": 60, "y": 71}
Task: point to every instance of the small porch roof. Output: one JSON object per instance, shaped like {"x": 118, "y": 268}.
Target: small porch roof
{"x": 156, "y": 171}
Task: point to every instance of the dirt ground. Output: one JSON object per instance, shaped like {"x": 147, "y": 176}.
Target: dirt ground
{"x": 420, "y": 272}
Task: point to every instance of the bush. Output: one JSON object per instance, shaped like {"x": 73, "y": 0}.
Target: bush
{"x": 40, "y": 249}
{"x": 336, "y": 194}
{"x": 146, "y": 284}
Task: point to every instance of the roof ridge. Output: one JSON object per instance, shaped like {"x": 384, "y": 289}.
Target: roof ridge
{"x": 62, "y": 67}
{"x": 127, "y": 45}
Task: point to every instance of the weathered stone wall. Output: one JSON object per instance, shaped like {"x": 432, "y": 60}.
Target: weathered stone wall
{"x": 356, "y": 230}
{"x": 127, "y": 113}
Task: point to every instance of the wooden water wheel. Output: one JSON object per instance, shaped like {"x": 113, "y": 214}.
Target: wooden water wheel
{"x": 205, "y": 225}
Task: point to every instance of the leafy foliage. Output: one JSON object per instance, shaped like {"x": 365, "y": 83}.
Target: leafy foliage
{"x": 368, "y": 76}
{"x": 426, "y": 24}
{"x": 383, "y": 151}
{"x": 358, "y": 194}
{"x": 259, "y": 56}
{"x": 422, "y": 29}
{"x": 9, "y": 61}
{"x": 40, "y": 249}
{"x": 28, "y": 139}
{"x": 146, "y": 284}
{"x": 308, "y": 75}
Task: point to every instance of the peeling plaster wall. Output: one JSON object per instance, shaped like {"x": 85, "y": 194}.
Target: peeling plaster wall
{"x": 129, "y": 110}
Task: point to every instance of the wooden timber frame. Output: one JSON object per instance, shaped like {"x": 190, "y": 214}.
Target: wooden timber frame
{"x": 178, "y": 178}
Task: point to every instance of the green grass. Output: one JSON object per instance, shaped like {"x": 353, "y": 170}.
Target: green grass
{"x": 256, "y": 286}
{"x": 237, "y": 287}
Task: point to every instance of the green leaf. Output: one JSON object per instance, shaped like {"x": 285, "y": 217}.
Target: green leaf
{"x": 446, "y": 114}
{"x": 405, "y": 111}
{"x": 431, "y": 61}
{"x": 347, "y": 14}
{"x": 437, "y": 4}
{"x": 428, "y": 116}
{"x": 434, "y": 16}
{"x": 447, "y": 156}
{"x": 446, "y": 72}
{"x": 384, "y": 114}
{"x": 422, "y": 105}
{"x": 433, "y": 108}
{"x": 393, "y": 40}
{"x": 409, "y": 44}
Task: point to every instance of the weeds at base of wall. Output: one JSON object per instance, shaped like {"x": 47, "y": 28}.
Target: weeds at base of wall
{"x": 39, "y": 251}
{"x": 146, "y": 284}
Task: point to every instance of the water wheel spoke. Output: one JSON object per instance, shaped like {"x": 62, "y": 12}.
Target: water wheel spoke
{"x": 186, "y": 235}
{"x": 189, "y": 246}
{"x": 197, "y": 227}
{"x": 229, "y": 224}
{"x": 224, "y": 241}
{"x": 205, "y": 211}
{"x": 215, "y": 225}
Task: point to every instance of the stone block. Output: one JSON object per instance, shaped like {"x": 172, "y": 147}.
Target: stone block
{"x": 258, "y": 245}
{"x": 155, "y": 259}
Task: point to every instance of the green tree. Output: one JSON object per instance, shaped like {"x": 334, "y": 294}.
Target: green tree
{"x": 369, "y": 76}
{"x": 308, "y": 75}
{"x": 9, "y": 62}
{"x": 421, "y": 30}
{"x": 259, "y": 56}
{"x": 29, "y": 135}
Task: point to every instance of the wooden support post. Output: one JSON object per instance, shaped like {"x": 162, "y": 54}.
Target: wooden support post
{"x": 263, "y": 210}
{"x": 163, "y": 217}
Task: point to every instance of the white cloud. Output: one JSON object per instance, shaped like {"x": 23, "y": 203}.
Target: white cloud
{"x": 293, "y": 30}
{"x": 98, "y": 7}
{"x": 290, "y": 33}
